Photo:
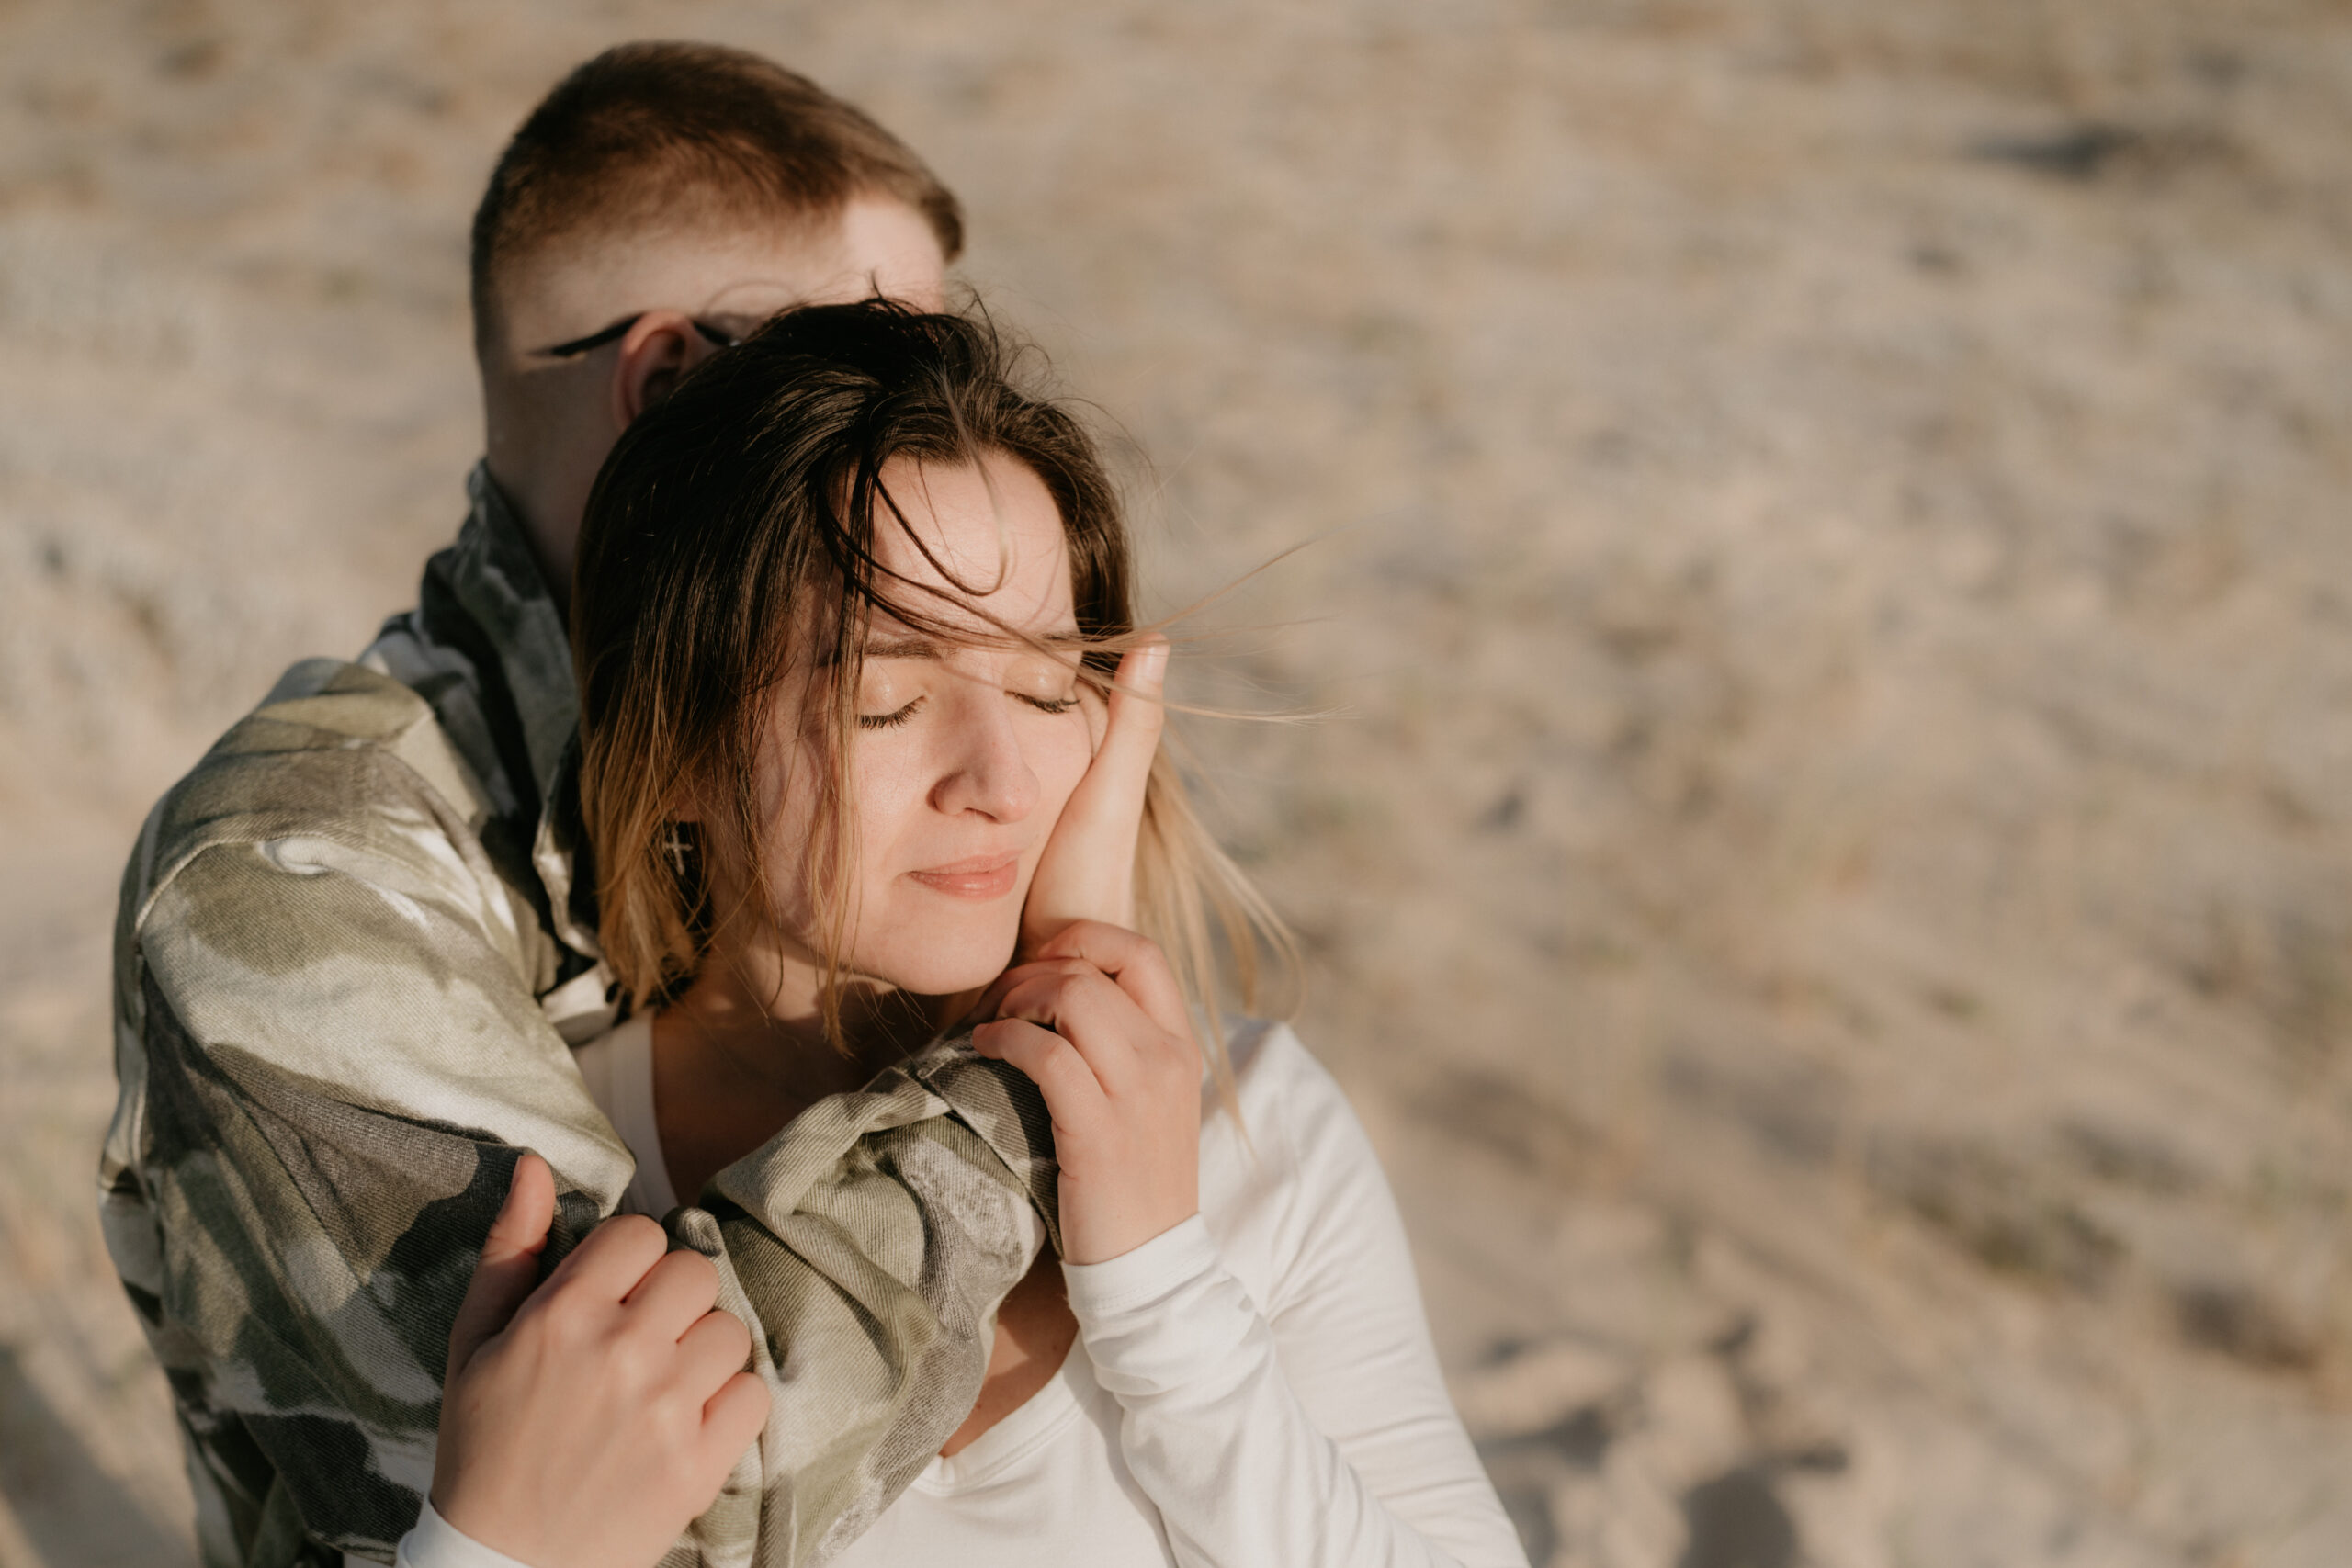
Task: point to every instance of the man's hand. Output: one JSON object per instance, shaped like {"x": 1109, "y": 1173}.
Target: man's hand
{"x": 1098, "y": 1021}
{"x": 1087, "y": 872}
{"x": 584, "y": 1423}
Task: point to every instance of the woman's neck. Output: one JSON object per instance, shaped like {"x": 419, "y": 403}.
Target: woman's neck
{"x": 745, "y": 1049}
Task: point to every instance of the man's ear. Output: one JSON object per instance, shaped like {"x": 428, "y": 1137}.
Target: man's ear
{"x": 659, "y": 348}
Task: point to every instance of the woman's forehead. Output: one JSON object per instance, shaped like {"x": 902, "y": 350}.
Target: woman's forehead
{"x": 981, "y": 536}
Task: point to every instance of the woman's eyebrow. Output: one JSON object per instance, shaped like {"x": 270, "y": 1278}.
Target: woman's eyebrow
{"x": 913, "y": 644}
{"x": 908, "y": 646}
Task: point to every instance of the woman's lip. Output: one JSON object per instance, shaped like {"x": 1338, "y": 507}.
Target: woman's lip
{"x": 981, "y": 877}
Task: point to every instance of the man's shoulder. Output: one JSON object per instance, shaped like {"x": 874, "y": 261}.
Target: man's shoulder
{"x": 324, "y": 705}
{"x": 335, "y": 753}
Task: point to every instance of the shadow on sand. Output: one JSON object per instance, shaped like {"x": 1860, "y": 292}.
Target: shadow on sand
{"x": 69, "y": 1512}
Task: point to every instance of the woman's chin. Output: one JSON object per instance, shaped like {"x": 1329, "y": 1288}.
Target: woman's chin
{"x": 945, "y": 968}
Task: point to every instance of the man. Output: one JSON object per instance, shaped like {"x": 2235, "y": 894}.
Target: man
{"x": 353, "y": 943}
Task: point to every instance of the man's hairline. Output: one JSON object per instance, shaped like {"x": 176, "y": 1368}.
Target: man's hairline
{"x": 817, "y": 218}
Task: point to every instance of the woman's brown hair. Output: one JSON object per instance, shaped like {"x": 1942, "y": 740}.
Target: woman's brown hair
{"x": 729, "y": 544}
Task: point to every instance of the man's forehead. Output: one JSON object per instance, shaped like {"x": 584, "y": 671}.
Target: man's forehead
{"x": 574, "y": 284}
{"x": 577, "y": 285}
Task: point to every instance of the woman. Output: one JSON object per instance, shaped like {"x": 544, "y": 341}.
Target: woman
{"x": 849, "y": 610}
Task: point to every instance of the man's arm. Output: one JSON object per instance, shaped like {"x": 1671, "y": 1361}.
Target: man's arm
{"x": 337, "y": 1067}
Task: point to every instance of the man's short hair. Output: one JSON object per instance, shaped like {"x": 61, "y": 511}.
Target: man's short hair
{"x": 684, "y": 136}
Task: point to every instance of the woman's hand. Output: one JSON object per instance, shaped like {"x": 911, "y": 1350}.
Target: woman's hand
{"x": 584, "y": 1423}
{"x": 1097, "y": 1021}
{"x": 1088, "y": 871}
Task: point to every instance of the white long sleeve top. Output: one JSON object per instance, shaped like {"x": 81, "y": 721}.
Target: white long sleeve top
{"x": 1256, "y": 1386}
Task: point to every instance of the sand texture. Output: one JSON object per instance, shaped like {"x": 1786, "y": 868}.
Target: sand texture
{"x": 1828, "y": 868}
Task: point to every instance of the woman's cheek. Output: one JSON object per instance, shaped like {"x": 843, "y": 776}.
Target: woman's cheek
{"x": 892, "y": 785}
{"x": 1062, "y": 764}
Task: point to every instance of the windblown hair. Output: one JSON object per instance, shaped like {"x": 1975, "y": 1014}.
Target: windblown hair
{"x": 663, "y": 137}
{"x": 730, "y": 547}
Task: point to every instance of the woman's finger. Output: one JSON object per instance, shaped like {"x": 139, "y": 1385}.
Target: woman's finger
{"x": 1087, "y": 872}
{"x": 616, "y": 1256}
{"x": 713, "y": 1351}
{"x": 1073, "y": 1094}
{"x": 1101, "y": 1021}
{"x": 730, "y": 1419}
{"x": 1133, "y": 961}
{"x": 1020, "y": 974}
{"x": 674, "y": 1294}
{"x": 508, "y": 1270}
{"x": 1123, "y": 762}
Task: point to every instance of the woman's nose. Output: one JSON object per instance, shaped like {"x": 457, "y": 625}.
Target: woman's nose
{"x": 984, "y": 770}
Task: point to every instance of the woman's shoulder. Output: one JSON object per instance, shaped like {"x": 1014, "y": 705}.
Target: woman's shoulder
{"x": 1274, "y": 1069}
{"x": 1295, "y": 1119}
{"x": 1293, "y": 1192}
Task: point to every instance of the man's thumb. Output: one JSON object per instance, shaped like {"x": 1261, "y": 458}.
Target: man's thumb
{"x": 508, "y": 1270}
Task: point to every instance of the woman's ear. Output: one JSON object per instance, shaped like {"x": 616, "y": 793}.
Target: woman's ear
{"x": 659, "y": 348}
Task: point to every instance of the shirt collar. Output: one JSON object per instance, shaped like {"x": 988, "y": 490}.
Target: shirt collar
{"x": 497, "y": 582}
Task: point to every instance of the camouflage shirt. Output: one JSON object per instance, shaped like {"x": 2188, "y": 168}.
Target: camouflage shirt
{"x": 350, "y": 959}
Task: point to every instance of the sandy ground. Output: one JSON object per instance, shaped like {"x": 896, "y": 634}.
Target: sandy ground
{"x": 1827, "y": 873}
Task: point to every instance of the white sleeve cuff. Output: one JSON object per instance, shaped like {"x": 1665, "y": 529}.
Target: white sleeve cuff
{"x": 1168, "y": 1262}
{"x": 438, "y": 1544}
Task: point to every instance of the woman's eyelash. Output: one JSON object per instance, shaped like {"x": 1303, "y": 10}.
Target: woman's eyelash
{"x": 892, "y": 720}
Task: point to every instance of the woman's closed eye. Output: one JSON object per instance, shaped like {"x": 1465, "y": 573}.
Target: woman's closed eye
{"x": 899, "y": 716}
{"x": 889, "y": 720}
{"x": 1046, "y": 683}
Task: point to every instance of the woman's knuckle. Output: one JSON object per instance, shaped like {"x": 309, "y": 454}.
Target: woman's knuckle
{"x": 1004, "y": 1035}
{"x": 694, "y": 1269}
{"x": 729, "y": 1331}
{"x": 620, "y": 1230}
{"x": 635, "y": 1238}
{"x": 681, "y": 1412}
{"x": 641, "y": 1360}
